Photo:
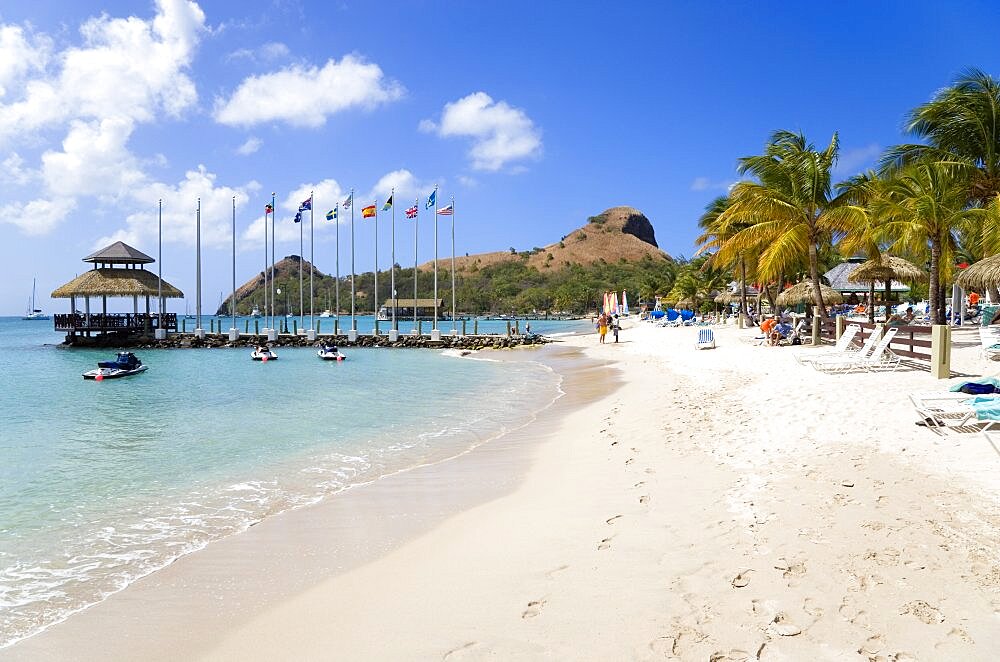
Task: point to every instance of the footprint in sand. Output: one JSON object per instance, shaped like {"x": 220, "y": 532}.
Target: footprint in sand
{"x": 629, "y": 461}
{"x": 457, "y": 653}
{"x": 639, "y": 484}
{"x": 611, "y": 520}
{"x": 872, "y": 646}
{"x": 534, "y": 609}
{"x": 733, "y": 655}
{"x": 741, "y": 579}
{"x": 928, "y": 614}
{"x": 783, "y": 626}
{"x": 644, "y": 498}
{"x": 604, "y": 544}
{"x": 790, "y": 568}
{"x": 552, "y": 573}
{"x": 650, "y": 470}
{"x": 812, "y": 608}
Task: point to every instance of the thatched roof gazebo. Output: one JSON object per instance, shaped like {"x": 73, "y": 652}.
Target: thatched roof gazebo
{"x": 803, "y": 293}
{"x": 981, "y": 275}
{"x": 119, "y": 272}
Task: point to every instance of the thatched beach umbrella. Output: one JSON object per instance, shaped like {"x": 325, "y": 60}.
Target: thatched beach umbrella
{"x": 981, "y": 275}
{"x": 885, "y": 269}
{"x": 803, "y": 293}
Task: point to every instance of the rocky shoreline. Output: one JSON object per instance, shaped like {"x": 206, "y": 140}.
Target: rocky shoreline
{"x": 190, "y": 341}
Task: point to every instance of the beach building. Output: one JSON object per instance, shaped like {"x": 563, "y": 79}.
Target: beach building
{"x": 118, "y": 272}
{"x": 404, "y": 308}
{"x": 839, "y": 280}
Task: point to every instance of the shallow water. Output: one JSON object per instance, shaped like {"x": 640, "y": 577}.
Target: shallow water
{"x": 102, "y": 483}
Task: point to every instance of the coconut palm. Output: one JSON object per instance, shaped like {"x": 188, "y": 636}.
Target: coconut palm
{"x": 961, "y": 122}
{"x": 714, "y": 235}
{"x": 924, "y": 206}
{"x": 786, "y": 211}
{"x": 859, "y": 226}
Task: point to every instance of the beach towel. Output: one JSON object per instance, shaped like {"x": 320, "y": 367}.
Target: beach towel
{"x": 984, "y": 382}
{"x": 987, "y": 407}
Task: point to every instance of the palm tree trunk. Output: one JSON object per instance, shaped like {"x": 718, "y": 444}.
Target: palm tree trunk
{"x": 994, "y": 293}
{"x": 743, "y": 287}
{"x": 934, "y": 290}
{"x": 888, "y": 293}
{"x": 814, "y": 276}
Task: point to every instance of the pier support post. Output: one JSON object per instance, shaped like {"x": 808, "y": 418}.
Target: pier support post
{"x": 393, "y": 335}
{"x": 475, "y": 327}
{"x": 352, "y": 335}
{"x": 463, "y": 327}
{"x": 234, "y": 334}
{"x": 272, "y": 335}
{"x": 420, "y": 327}
{"x": 160, "y": 334}
{"x": 436, "y": 334}
{"x": 311, "y": 335}
{"x": 199, "y": 333}
{"x": 256, "y": 327}
{"x": 940, "y": 351}
{"x": 295, "y": 327}
{"x": 508, "y": 328}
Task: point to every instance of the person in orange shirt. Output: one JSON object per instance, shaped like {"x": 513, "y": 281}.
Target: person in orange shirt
{"x": 973, "y": 299}
{"x": 767, "y": 325}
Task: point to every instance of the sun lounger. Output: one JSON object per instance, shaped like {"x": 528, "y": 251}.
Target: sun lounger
{"x": 843, "y": 345}
{"x": 955, "y": 410}
{"x": 989, "y": 339}
{"x": 879, "y": 358}
{"x": 706, "y": 339}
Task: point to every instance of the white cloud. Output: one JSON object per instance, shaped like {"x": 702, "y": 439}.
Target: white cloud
{"x": 406, "y": 185}
{"x": 127, "y": 68}
{"x": 126, "y": 72}
{"x": 467, "y": 182}
{"x": 272, "y": 50}
{"x": 852, "y": 160}
{"x": 500, "y": 132}
{"x": 252, "y": 144}
{"x": 306, "y": 96}
{"x": 180, "y": 211}
{"x": 20, "y": 54}
{"x": 700, "y": 184}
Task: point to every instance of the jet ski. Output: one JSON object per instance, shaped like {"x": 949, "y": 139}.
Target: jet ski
{"x": 124, "y": 365}
{"x": 329, "y": 353}
{"x": 263, "y": 353}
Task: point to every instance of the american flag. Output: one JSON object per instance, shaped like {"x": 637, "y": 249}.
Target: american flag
{"x": 411, "y": 212}
{"x": 446, "y": 211}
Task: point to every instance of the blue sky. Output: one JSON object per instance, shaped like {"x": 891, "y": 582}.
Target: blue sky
{"x": 532, "y": 115}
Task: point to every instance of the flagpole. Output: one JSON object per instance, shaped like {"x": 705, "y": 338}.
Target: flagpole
{"x": 197, "y": 304}
{"x": 392, "y": 278}
{"x": 454, "y": 328}
{"x": 302, "y": 319}
{"x": 232, "y": 302}
{"x": 354, "y": 324}
{"x": 159, "y": 259}
{"x": 416, "y": 235}
{"x": 375, "y": 287}
{"x": 266, "y": 309}
{"x": 336, "y": 233}
{"x": 274, "y": 243}
{"x": 312, "y": 256}
{"x": 435, "y": 219}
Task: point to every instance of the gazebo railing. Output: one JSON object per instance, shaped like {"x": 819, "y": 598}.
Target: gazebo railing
{"x": 113, "y": 321}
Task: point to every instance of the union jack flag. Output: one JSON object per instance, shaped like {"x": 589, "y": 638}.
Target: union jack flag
{"x": 411, "y": 212}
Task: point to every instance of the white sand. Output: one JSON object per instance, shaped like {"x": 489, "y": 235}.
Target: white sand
{"x": 723, "y": 504}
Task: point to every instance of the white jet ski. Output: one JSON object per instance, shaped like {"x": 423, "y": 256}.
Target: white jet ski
{"x": 329, "y": 353}
{"x": 125, "y": 365}
{"x": 263, "y": 353}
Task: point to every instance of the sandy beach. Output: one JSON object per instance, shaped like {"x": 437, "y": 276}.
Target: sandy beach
{"x": 723, "y": 504}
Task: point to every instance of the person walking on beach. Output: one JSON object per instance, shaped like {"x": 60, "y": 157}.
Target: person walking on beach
{"x": 602, "y": 326}
{"x": 615, "y": 326}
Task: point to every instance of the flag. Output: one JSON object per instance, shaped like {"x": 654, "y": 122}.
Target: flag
{"x": 432, "y": 201}
{"x": 298, "y": 216}
{"x": 446, "y": 211}
{"x": 332, "y": 214}
{"x": 268, "y": 209}
{"x": 388, "y": 204}
{"x": 306, "y": 205}
{"x": 368, "y": 212}
{"x": 349, "y": 201}
{"x": 411, "y": 212}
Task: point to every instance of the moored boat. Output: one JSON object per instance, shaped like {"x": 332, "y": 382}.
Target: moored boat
{"x": 263, "y": 353}
{"x": 330, "y": 353}
{"x": 124, "y": 365}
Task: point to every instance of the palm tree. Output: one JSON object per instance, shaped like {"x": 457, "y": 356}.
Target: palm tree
{"x": 923, "y": 206}
{"x": 961, "y": 122}
{"x": 854, "y": 218}
{"x": 786, "y": 210}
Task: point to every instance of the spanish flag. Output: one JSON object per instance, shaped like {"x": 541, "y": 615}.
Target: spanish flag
{"x": 368, "y": 212}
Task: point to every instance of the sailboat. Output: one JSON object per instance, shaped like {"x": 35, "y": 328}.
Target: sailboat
{"x": 33, "y": 313}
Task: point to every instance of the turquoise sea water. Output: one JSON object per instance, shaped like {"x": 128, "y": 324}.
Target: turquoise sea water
{"x": 101, "y": 483}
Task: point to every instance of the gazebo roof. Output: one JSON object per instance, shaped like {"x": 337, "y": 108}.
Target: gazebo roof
{"x": 116, "y": 282}
{"x": 119, "y": 253}
{"x": 837, "y": 277}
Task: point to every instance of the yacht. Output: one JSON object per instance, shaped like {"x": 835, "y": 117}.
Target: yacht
{"x": 33, "y": 313}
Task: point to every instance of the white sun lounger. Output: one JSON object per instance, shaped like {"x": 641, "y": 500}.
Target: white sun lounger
{"x": 881, "y": 357}
{"x": 989, "y": 340}
{"x": 843, "y": 345}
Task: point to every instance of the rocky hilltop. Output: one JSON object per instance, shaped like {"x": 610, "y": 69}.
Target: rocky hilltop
{"x": 615, "y": 233}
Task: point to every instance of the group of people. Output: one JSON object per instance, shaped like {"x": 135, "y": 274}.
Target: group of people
{"x": 775, "y": 331}
{"x": 605, "y": 322}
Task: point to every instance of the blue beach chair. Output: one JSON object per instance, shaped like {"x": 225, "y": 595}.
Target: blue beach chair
{"x": 706, "y": 339}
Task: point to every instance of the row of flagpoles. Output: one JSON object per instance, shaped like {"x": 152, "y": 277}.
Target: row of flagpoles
{"x": 369, "y": 211}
